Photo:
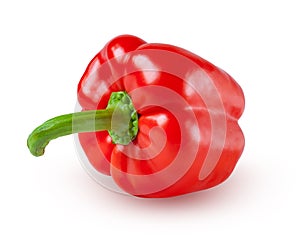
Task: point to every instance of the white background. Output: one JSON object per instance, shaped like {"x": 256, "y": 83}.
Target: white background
{"x": 45, "y": 47}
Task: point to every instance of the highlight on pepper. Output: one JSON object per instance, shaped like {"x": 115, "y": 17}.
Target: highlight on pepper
{"x": 155, "y": 120}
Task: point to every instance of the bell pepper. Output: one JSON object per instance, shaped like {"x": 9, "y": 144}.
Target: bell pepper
{"x": 158, "y": 119}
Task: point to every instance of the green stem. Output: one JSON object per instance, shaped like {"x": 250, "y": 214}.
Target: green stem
{"x": 119, "y": 119}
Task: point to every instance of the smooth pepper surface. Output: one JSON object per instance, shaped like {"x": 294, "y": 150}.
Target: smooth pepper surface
{"x": 188, "y": 136}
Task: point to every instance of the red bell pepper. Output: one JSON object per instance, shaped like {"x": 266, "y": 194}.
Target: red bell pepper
{"x": 160, "y": 120}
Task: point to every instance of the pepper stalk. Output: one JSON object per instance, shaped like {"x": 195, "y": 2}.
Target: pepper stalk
{"x": 119, "y": 118}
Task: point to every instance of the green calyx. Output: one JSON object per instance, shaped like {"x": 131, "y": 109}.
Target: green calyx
{"x": 119, "y": 118}
{"x": 124, "y": 122}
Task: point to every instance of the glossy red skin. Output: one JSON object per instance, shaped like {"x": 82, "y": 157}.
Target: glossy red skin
{"x": 130, "y": 173}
